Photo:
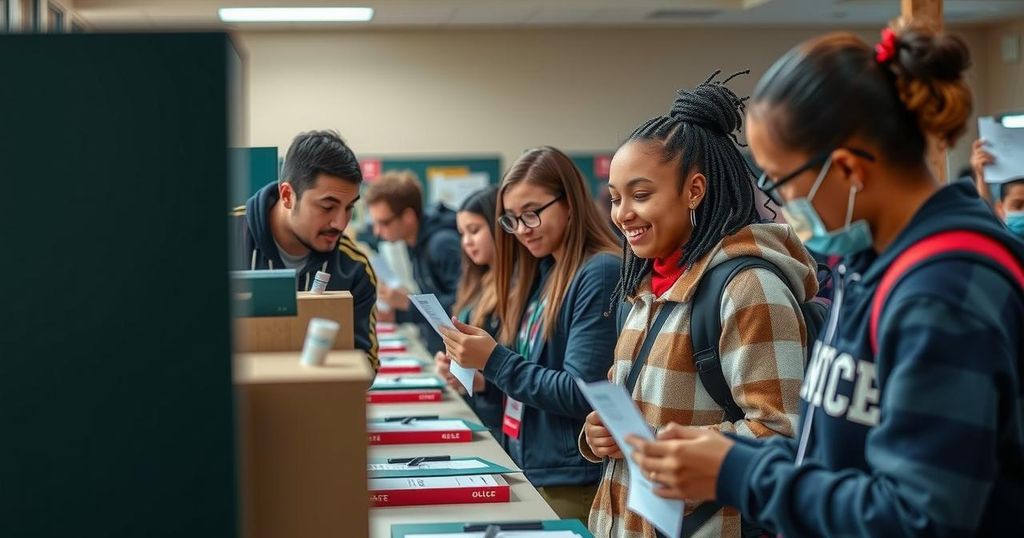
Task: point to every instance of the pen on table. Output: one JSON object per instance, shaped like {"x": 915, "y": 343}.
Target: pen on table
{"x": 406, "y": 420}
{"x": 507, "y": 526}
{"x": 421, "y": 458}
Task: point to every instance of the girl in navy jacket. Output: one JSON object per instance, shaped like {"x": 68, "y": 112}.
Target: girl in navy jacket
{"x": 557, "y": 264}
{"x": 912, "y": 412}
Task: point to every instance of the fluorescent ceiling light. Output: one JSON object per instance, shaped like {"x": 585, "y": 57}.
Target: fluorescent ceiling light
{"x": 295, "y": 14}
{"x": 1014, "y": 121}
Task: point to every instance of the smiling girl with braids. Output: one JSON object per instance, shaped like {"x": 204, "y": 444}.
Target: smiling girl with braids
{"x": 684, "y": 198}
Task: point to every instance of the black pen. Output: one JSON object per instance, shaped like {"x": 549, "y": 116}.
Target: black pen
{"x": 507, "y": 526}
{"x": 421, "y": 458}
{"x": 407, "y": 420}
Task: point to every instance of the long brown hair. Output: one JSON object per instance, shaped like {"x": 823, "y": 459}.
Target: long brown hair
{"x": 586, "y": 234}
{"x": 476, "y": 285}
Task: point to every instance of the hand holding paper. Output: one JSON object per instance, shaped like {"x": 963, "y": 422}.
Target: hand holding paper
{"x": 684, "y": 461}
{"x": 622, "y": 418}
{"x": 468, "y": 345}
{"x": 431, "y": 308}
{"x": 1006, "y": 145}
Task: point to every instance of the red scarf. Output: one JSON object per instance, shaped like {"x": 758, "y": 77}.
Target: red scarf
{"x": 665, "y": 272}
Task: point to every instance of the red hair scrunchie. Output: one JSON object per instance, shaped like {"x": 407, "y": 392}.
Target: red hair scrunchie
{"x": 885, "y": 50}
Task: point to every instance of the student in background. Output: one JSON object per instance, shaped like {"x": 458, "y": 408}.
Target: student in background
{"x": 1008, "y": 198}
{"x": 298, "y": 223}
{"x": 684, "y": 198}
{"x": 395, "y": 204}
{"x": 477, "y": 298}
{"x": 913, "y": 417}
{"x": 559, "y": 262}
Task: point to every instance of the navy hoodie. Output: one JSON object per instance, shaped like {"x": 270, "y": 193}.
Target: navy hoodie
{"x": 927, "y": 437}
{"x": 253, "y": 248}
{"x": 436, "y": 260}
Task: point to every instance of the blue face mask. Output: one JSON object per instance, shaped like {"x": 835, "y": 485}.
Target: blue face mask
{"x": 801, "y": 215}
{"x": 1015, "y": 222}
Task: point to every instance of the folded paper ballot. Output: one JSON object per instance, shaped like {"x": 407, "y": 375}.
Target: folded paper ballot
{"x": 403, "y": 396}
{"x": 438, "y": 490}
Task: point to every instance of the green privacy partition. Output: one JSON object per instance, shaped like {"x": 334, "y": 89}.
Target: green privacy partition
{"x": 252, "y": 168}
{"x": 116, "y": 378}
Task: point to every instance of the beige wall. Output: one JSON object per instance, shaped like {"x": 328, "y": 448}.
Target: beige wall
{"x": 500, "y": 91}
{"x": 1005, "y": 81}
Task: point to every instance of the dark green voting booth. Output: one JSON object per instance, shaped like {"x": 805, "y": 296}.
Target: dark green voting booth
{"x": 116, "y": 416}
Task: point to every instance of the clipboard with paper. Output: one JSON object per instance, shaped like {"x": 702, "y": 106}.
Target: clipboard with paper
{"x": 564, "y": 528}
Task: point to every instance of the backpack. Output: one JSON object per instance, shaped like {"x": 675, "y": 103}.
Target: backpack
{"x": 955, "y": 243}
{"x": 705, "y": 333}
{"x": 706, "y": 325}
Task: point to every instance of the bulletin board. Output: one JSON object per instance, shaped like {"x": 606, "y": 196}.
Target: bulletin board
{"x": 594, "y": 167}
{"x": 484, "y": 168}
{"x": 251, "y": 170}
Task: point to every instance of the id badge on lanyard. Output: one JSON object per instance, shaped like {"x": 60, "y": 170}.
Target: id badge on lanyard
{"x": 512, "y": 422}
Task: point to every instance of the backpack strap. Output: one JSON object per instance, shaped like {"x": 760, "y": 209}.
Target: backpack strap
{"x": 956, "y": 241}
{"x": 645, "y": 348}
{"x": 620, "y": 316}
{"x": 706, "y": 328}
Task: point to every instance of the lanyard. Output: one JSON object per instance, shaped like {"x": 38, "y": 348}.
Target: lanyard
{"x": 530, "y": 328}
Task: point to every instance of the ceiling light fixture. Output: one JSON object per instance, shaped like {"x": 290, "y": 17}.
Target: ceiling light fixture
{"x": 295, "y": 14}
{"x": 1013, "y": 121}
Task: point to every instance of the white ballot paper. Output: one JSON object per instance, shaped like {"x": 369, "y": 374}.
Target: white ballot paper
{"x": 1006, "y": 144}
{"x": 622, "y": 418}
{"x": 431, "y": 309}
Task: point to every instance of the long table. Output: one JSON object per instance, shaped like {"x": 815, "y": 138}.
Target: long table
{"x": 526, "y": 502}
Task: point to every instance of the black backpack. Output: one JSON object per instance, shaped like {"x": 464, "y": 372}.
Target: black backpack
{"x": 706, "y": 324}
{"x": 706, "y": 332}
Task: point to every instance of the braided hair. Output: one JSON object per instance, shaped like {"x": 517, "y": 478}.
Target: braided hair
{"x": 700, "y": 131}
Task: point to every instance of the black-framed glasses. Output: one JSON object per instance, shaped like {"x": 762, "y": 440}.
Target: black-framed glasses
{"x": 769, "y": 186}
{"x": 530, "y": 219}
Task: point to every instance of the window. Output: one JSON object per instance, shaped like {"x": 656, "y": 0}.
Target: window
{"x": 54, "y": 19}
{"x": 26, "y": 19}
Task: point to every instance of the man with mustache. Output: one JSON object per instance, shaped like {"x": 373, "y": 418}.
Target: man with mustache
{"x": 297, "y": 223}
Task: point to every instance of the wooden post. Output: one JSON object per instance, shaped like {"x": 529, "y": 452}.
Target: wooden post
{"x": 928, "y": 13}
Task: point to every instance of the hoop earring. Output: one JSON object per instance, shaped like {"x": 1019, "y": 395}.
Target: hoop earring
{"x": 693, "y": 218}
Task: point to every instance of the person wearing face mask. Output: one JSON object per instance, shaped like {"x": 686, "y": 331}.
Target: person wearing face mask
{"x": 476, "y": 299}
{"x": 912, "y": 418}
{"x": 556, "y": 267}
{"x": 1009, "y": 196}
{"x": 1011, "y": 205}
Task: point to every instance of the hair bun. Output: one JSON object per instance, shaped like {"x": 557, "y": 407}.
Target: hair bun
{"x": 929, "y": 70}
{"x": 711, "y": 105}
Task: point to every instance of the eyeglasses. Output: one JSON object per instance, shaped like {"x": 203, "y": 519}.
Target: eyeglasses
{"x": 530, "y": 219}
{"x": 384, "y": 223}
{"x": 769, "y": 186}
